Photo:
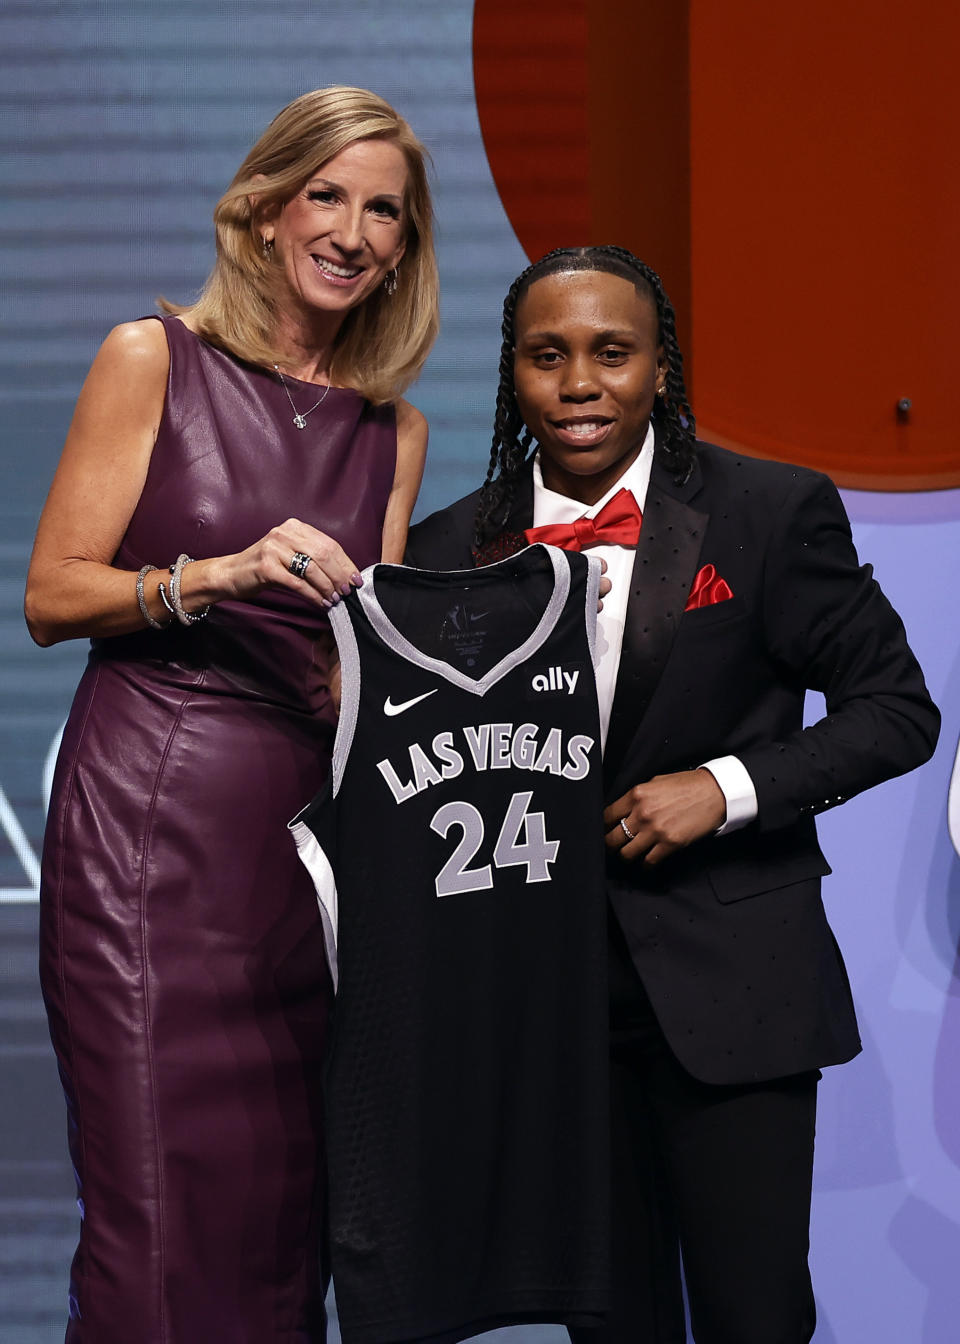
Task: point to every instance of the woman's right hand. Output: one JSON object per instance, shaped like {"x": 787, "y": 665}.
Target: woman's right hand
{"x": 266, "y": 564}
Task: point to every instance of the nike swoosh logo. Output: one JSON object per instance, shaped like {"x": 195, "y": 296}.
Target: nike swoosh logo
{"x": 389, "y": 708}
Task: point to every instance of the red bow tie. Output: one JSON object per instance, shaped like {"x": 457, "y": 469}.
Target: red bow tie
{"x": 617, "y": 524}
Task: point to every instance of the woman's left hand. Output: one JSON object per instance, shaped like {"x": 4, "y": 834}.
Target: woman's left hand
{"x": 328, "y": 574}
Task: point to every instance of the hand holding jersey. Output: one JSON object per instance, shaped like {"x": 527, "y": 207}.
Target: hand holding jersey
{"x": 605, "y": 585}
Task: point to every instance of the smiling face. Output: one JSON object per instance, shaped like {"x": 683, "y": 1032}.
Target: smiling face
{"x": 587, "y": 367}
{"x": 343, "y": 231}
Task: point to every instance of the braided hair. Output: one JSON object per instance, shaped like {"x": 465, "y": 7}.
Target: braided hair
{"x": 511, "y": 438}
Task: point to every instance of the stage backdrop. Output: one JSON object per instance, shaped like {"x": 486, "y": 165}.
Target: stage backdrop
{"x": 720, "y": 150}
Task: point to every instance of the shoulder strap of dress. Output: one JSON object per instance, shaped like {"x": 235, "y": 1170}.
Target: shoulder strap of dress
{"x": 185, "y": 359}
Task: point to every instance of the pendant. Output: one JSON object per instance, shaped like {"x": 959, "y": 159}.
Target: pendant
{"x": 299, "y": 421}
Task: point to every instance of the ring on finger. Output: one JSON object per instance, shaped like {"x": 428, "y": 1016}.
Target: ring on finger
{"x": 626, "y": 830}
{"x": 298, "y": 564}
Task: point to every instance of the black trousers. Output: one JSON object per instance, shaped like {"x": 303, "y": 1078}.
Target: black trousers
{"x": 720, "y": 1174}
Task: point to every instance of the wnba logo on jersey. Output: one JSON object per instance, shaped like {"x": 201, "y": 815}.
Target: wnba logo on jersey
{"x": 557, "y": 680}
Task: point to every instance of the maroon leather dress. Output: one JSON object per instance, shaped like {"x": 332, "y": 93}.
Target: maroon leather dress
{"x": 181, "y": 950}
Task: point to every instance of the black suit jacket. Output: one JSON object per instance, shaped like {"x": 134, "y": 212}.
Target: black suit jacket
{"x": 729, "y": 936}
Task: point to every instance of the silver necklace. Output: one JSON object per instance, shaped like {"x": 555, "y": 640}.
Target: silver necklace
{"x": 299, "y": 417}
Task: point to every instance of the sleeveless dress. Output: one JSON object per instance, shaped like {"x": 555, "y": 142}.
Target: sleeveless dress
{"x": 182, "y": 955}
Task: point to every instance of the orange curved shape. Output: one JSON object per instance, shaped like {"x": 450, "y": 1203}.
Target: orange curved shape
{"x": 531, "y": 85}
{"x": 584, "y": 115}
{"x": 788, "y": 173}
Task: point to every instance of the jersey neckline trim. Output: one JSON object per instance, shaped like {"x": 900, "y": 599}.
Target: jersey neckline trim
{"x": 397, "y": 641}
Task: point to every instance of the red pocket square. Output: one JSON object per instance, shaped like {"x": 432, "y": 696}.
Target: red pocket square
{"x": 708, "y": 587}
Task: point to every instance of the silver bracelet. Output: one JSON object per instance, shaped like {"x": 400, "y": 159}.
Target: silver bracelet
{"x": 176, "y": 573}
{"x": 142, "y": 601}
{"x": 165, "y": 600}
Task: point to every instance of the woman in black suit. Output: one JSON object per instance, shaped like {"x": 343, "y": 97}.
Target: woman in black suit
{"x": 738, "y": 591}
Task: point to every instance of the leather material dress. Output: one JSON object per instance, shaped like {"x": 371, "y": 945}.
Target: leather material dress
{"x": 182, "y": 956}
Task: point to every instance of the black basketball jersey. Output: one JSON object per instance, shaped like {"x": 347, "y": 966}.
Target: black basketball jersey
{"x": 458, "y": 858}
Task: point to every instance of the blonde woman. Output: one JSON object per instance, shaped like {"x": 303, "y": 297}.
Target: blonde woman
{"x": 230, "y": 469}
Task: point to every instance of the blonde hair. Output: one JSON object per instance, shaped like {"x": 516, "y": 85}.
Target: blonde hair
{"x": 383, "y": 343}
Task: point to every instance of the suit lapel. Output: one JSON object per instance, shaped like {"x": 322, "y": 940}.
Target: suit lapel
{"x": 664, "y": 568}
{"x": 665, "y": 565}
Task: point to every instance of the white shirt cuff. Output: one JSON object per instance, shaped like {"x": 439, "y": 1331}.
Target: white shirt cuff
{"x": 737, "y": 787}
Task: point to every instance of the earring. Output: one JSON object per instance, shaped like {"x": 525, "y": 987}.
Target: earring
{"x": 390, "y": 282}
{"x": 661, "y": 391}
{"x": 267, "y": 246}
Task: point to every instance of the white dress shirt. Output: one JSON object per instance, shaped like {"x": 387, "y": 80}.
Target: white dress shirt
{"x": 550, "y": 507}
